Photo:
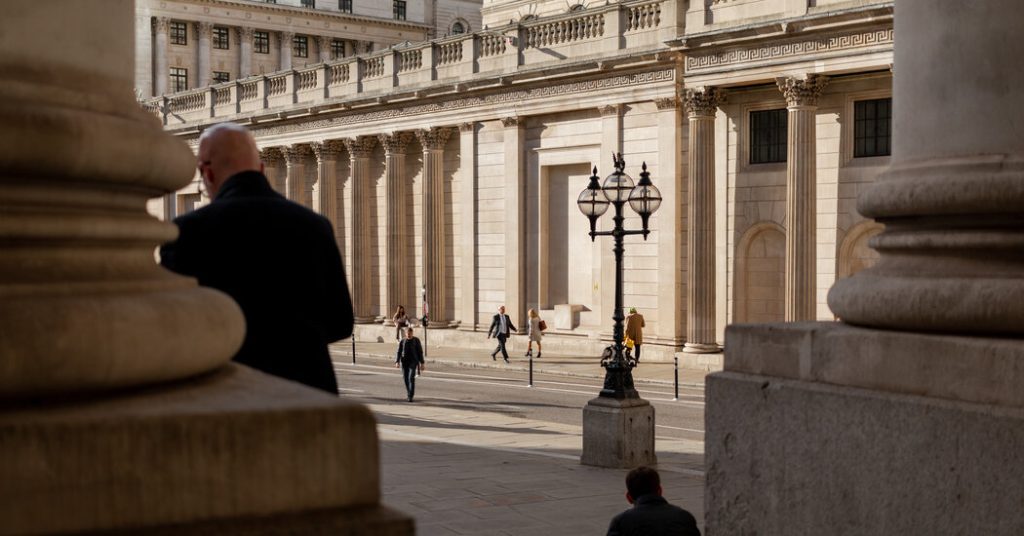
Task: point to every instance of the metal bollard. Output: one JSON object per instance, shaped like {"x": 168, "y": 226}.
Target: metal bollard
{"x": 676, "y": 371}
{"x": 531, "y": 372}
{"x": 353, "y": 348}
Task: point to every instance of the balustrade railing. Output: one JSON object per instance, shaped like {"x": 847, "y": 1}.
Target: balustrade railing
{"x": 638, "y": 24}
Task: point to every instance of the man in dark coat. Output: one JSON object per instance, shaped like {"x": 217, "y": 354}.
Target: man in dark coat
{"x": 276, "y": 258}
{"x": 651, "y": 514}
{"x": 502, "y": 328}
{"x": 410, "y": 358}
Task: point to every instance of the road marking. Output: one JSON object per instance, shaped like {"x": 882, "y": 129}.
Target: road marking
{"x": 678, "y": 428}
{"x": 352, "y": 390}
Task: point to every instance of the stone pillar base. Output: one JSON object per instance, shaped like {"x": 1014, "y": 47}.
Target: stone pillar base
{"x": 618, "y": 433}
{"x": 233, "y": 452}
{"x": 698, "y": 348}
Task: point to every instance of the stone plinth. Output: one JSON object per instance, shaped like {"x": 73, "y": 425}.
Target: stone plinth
{"x": 567, "y": 315}
{"x": 236, "y": 451}
{"x": 618, "y": 433}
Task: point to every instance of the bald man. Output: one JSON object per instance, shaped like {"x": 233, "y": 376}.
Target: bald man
{"x": 276, "y": 258}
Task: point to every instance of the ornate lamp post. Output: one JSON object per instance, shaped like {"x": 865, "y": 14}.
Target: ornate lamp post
{"x": 618, "y": 426}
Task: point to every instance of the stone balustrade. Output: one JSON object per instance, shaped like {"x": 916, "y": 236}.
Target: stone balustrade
{"x": 604, "y": 32}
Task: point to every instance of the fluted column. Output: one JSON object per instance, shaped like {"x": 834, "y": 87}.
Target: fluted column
{"x": 801, "y": 208}
{"x": 204, "y": 31}
{"x": 701, "y": 105}
{"x": 323, "y": 46}
{"x": 467, "y": 206}
{"x": 295, "y": 181}
{"x": 325, "y": 191}
{"x": 244, "y": 51}
{"x": 272, "y": 158}
{"x": 434, "y": 266}
{"x": 160, "y": 68}
{"x": 360, "y": 149}
{"x": 952, "y": 254}
{"x": 286, "y": 49}
{"x": 397, "y": 233}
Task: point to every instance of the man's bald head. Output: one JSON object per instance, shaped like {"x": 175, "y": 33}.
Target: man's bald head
{"x": 226, "y": 149}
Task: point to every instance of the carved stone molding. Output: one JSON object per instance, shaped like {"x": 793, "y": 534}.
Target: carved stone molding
{"x": 296, "y": 154}
{"x": 697, "y": 61}
{"x": 610, "y": 109}
{"x": 286, "y": 36}
{"x": 395, "y": 143}
{"x": 802, "y": 90}
{"x": 271, "y": 155}
{"x": 703, "y": 101}
{"x": 666, "y": 103}
{"x": 243, "y": 35}
{"x": 326, "y": 150}
{"x": 203, "y": 29}
{"x": 434, "y": 138}
{"x": 510, "y": 121}
{"x": 160, "y": 24}
{"x": 467, "y": 127}
{"x": 361, "y": 147}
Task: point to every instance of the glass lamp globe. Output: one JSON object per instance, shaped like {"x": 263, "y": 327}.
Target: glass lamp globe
{"x": 617, "y": 186}
{"x": 645, "y": 198}
{"x": 592, "y": 202}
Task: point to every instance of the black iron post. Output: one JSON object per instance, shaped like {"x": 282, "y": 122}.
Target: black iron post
{"x": 425, "y": 320}
{"x": 353, "y": 347}
{"x": 676, "y": 359}
{"x": 531, "y": 372}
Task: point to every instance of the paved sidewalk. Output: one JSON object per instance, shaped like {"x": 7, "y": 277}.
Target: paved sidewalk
{"x": 551, "y": 363}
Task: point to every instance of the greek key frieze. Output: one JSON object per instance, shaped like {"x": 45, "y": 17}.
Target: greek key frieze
{"x": 819, "y": 45}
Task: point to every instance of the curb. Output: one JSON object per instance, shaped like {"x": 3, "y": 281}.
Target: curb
{"x": 517, "y": 368}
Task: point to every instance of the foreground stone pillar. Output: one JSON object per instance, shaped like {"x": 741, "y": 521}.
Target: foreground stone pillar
{"x": 244, "y": 51}
{"x": 435, "y": 270}
{"x": 701, "y": 332}
{"x": 360, "y": 149}
{"x": 801, "y": 198}
{"x": 915, "y": 428}
{"x": 160, "y": 68}
{"x": 119, "y": 412}
{"x": 398, "y": 279}
{"x": 204, "y": 31}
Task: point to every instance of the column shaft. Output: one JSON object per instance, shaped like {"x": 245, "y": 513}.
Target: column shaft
{"x": 397, "y": 261}
{"x": 611, "y": 143}
{"x": 323, "y": 45}
{"x": 160, "y": 68}
{"x": 702, "y": 103}
{"x": 434, "y": 240}
{"x": 359, "y": 151}
{"x": 515, "y": 219}
{"x": 244, "y": 52}
{"x": 295, "y": 179}
{"x": 801, "y": 196}
{"x": 467, "y": 207}
{"x": 272, "y": 158}
{"x": 203, "y": 31}
{"x": 325, "y": 191}
{"x": 286, "y": 49}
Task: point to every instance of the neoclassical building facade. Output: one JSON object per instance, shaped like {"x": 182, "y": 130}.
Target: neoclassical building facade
{"x": 453, "y": 165}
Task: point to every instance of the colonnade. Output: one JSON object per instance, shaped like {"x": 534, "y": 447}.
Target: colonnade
{"x": 323, "y": 198}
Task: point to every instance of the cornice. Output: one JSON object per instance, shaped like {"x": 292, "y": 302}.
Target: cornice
{"x": 335, "y": 16}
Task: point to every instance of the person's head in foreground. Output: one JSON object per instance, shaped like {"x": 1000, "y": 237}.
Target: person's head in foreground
{"x": 642, "y": 481}
{"x": 226, "y": 149}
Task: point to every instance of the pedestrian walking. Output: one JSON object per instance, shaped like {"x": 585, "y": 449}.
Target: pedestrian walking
{"x": 651, "y": 514}
{"x": 410, "y": 359}
{"x": 501, "y": 328}
{"x": 401, "y": 321}
{"x": 635, "y": 330}
{"x": 535, "y": 332}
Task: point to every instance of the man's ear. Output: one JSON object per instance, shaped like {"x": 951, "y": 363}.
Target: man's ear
{"x": 629, "y": 498}
{"x": 261, "y": 166}
{"x": 659, "y": 490}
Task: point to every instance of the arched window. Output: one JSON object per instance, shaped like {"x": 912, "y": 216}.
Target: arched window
{"x": 458, "y": 27}
{"x": 577, "y": 7}
{"x": 528, "y": 17}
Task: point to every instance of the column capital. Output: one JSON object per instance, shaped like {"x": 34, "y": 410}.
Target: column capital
{"x": 467, "y": 127}
{"x": 271, "y": 155}
{"x": 326, "y": 150}
{"x": 703, "y": 101}
{"x": 510, "y": 121}
{"x": 395, "y": 143}
{"x": 434, "y": 137}
{"x": 160, "y": 24}
{"x": 203, "y": 28}
{"x": 244, "y": 34}
{"x": 323, "y": 41}
{"x": 802, "y": 90}
{"x": 360, "y": 147}
{"x": 294, "y": 154}
{"x": 609, "y": 109}
{"x": 666, "y": 103}
{"x": 286, "y": 35}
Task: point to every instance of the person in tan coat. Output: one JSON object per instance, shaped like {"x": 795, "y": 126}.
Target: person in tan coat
{"x": 635, "y": 330}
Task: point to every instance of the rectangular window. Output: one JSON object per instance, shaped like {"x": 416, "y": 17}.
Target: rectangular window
{"x": 221, "y": 38}
{"x": 219, "y": 77}
{"x": 768, "y": 136}
{"x": 345, "y": 6}
{"x": 311, "y": 4}
{"x": 261, "y": 42}
{"x": 179, "y": 79}
{"x": 337, "y": 49}
{"x": 399, "y": 8}
{"x": 300, "y": 46}
{"x": 872, "y": 128}
{"x": 179, "y": 33}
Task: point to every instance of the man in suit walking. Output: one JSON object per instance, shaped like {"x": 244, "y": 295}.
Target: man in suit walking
{"x": 410, "y": 358}
{"x": 502, "y": 328}
{"x": 276, "y": 258}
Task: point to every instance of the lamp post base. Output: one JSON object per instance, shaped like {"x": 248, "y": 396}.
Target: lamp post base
{"x": 618, "y": 433}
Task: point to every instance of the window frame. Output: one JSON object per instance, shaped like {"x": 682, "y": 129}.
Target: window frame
{"x": 308, "y": 4}
{"x": 776, "y": 126}
{"x": 221, "y": 35}
{"x": 875, "y": 123}
{"x": 177, "y": 33}
{"x": 260, "y": 37}
{"x": 461, "y": 23}
{"x": 300, "y": 46}
{"x": 399, "y": 9}
{"x": 225, "y": 78}
{"x": 345, "y": 6}
{"x": 337, "y": 49}
{"x": 176, "y": 75}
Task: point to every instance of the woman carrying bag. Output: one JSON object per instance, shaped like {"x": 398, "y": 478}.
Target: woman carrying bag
{"x": 535, "y": 332}
{"x": 401, "y": 322}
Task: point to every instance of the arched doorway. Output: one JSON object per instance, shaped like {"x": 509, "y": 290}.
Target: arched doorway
{"x": 760, "y": 274}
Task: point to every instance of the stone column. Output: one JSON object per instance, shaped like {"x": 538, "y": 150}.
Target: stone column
{"x": 398, "y": 278}
{"x": 325, "y": 191}
{"x": 244, "y": 51}
{"x": 435, "y": 270}
{"x": 204, "y": 31}
{"x": 515, "y": 219}
{"x": 467, "y": 206}
{"x": 323, "y": 46}
{"x": 272, "y": 158}
{"x": 669, "y": 176}
{"x": 160, "y": 68}
{"x": 801, "y": 195}
{"x": 295, "y": 180}
{"x": 286, "y": 49}
{"x": 611, "y": 143}
{"x": 701, "y": 106}
{"x": 360, "y": 149}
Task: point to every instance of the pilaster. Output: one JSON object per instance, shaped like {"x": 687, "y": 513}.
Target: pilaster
{"x": 160, "y": 69}
{"x": 515, "y": 219}
{"x": 467, "y": 205}
{"x": 801, "y": 95}
{"x": 323, "y": 47}
{"x": 360, "y": 149}
{"x": 435, "y": 265}
{"x": 285, "y": 39}
{"x": 671, "y": 231}
{"x": 204, "y": 31}
{"x": 244, "y": 41}
{"x": 397, "y": 278}
{"x": 701, "y": 105}
{"x": 604, "y": 269}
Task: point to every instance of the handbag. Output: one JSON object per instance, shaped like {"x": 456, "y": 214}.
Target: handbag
{"x": 628, "y": 342}
{"x": 542, "y": 325}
